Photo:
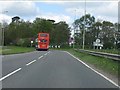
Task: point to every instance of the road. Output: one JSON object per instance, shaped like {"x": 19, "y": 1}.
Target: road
{"x": 49, "y": 69}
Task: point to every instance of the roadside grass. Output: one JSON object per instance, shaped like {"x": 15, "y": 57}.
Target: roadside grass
{"x": 100, "y": 63}
{"x": 106, "y": 65}
{"x": 16, "y": 50}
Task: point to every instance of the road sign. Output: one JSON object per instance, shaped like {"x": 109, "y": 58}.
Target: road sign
{"x": 31, "y": 41}
{"x": 98, "y": 40}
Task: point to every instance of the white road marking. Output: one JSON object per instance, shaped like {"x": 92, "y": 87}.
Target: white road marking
{"x": 94, "y": 70}
{"x": 10, "y": 74}
{"x": 40, "y": 57}
{"x": 30, "y": 62}
{"x": 47, "y": 53}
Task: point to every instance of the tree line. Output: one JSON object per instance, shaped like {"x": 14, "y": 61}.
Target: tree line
{"x": 20, "y": 32}
{"x": 106, "y": 31}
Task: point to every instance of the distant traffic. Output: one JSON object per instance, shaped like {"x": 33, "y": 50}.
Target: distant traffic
{"x": 42, "y": 41}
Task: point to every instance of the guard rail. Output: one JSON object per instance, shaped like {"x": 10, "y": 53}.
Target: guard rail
{"x": 101, "y": 54}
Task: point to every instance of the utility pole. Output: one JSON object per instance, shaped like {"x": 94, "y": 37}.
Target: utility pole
{"x": 3, "y": 12}
{"x": 84, "y": 27}
{"x": 74, "y": 32}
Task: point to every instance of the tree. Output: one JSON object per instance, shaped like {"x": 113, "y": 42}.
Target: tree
{"x": 15, "y": 19}
{"x": 79, "y": 23}
{"x": 22, "y": 32}
{"x": 61, "y": 33}
{"x": 107, "y": 34}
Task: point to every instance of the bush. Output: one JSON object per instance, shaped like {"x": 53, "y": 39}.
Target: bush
{"x": 25, "y": 42}
{"x": 108, "y": 45}
{"x": 19, "y": 42}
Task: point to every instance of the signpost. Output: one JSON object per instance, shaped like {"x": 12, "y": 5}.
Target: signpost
{"x": 97, "y": 44}
{"x": 31, "y": 43}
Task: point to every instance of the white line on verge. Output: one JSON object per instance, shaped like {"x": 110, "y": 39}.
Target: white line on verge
{"x": 10, "y": 74}
{"x": 30, "y": 62}
{"x": 40, "y": 57}
{"x": 94, "y": 70}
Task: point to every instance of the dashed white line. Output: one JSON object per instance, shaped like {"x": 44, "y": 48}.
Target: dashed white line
{"x": 10, "y": 74}
{"x": 40, "y": 57}
{"x": 45, "y": 54}
{"x": 94, "y": 70}
{"x": 30, "y": 62}
{"x": 49, "y": 52}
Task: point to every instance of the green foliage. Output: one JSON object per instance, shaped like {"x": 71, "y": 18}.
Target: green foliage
{"x": 25, "y": 42}
{"x": 106, "y": 31}
{"x": 59, "y": 32}
{"x": 20, "y": 33}
{"x": 79, "y": 23}
{"x": 20, "y": 42}
{"x": 101, "y": 63}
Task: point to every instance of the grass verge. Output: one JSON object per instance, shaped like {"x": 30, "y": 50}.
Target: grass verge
{"x": 16, "y": 50}
{"x": 101, "y": 63}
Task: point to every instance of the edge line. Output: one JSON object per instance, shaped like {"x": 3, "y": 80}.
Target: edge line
{"x": 94, "y": 70}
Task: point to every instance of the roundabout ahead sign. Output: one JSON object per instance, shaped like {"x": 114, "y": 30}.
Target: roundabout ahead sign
{"x": 98, "y": 40}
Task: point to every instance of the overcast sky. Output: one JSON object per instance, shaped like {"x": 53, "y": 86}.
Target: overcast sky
{"x": 59, "y": 10}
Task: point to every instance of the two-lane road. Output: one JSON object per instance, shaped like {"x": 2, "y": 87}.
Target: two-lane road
{"x": 49, "y": 69}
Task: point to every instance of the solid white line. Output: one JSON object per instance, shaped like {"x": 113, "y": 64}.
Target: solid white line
{"x": 40, "y": 57}
{"x": 31, "y": 62}
{"x": 10, "y": 74}
{"x": 93, "y": 70}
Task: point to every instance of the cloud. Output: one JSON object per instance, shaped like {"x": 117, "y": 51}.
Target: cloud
{"x": 56, "y": 17}
{"x": 75, "y": 11}
{"x": 109, "y": 9}
{"x": 106, "y": 10}
{"x": 26, "y": 8}
{"x": 5, "y": 18}
{"x": 61, "y": 2}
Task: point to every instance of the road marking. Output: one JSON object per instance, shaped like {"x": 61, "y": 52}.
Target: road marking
{"x": 94, "y": 70}
{"x": 31, "y": 62}
{"x": 10, "y": 74}
{"x": 40, "y": 57}
{"x": 47, "y": 53}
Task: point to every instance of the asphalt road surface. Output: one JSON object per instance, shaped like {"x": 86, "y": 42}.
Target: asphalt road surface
{"x": 49, "y": 69}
